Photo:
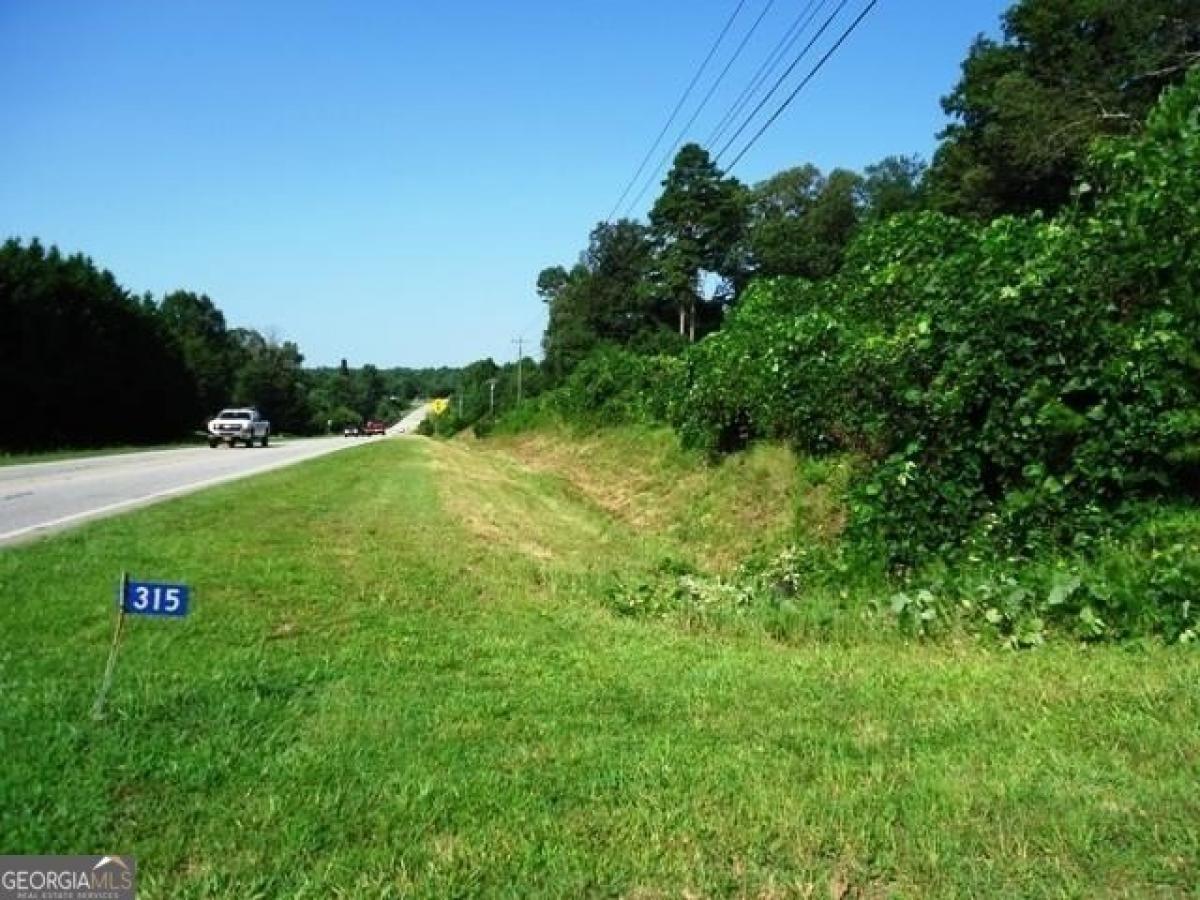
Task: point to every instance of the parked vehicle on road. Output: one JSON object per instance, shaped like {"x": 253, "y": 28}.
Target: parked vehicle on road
{"x": 351, "y": 431}
{"x": 230, "y": 426}
{"x": 374, "y": 428}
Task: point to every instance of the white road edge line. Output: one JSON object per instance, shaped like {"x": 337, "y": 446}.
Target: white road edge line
{"x": 149, "y": 498}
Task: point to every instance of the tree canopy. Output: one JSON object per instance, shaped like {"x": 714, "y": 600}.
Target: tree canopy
{"x": 697, "y": 224}
{"x": 89, "y": 363}
{"x": 83, "y": 360}
{"x": 1029, "y": 105}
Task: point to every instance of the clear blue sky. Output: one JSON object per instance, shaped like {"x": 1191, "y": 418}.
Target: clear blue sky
{"x": 383, "y": 181}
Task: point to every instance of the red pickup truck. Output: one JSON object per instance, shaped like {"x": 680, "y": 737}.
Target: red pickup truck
{"x": 374, "y": 427}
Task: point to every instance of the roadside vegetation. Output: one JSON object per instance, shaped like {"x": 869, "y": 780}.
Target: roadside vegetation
{"x": 1003, "y": 416}
{"x": 714, "y": 516}
{"x": 845, "y": 542}
{"x": 94, "y": 365}
{"x": 761, "y": 547}
{"x": 414, "y": 682}
{"x": 993, "y": 363}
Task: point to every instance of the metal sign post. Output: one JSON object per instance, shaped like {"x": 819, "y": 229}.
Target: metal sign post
{"x": 98, "y": 706}
{"x": 139, "y": 598}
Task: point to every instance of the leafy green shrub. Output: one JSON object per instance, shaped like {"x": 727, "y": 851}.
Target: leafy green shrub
{"x": 1146, "y": 583}
{"x": 790, "y": 595}
{"x": 536, "y": 413}
{"x": 610, "y": 387}
{"x": 1142, "y": 583}
{"x": 1011, "y": 386}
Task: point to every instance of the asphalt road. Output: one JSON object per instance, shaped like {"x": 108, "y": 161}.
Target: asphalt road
{"x": 40, "y": 498}
{"x": 408, "y": 425}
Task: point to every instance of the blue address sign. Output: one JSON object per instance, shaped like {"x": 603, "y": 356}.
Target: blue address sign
{"x": 154, "y": 598}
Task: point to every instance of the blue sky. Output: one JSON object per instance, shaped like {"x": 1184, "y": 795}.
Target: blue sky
{"x": 382, "y": 181}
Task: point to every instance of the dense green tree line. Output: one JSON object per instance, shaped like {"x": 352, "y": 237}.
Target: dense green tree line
{"x": 1029, "y": 106}
{"x": 344, "y": 395}
{"x": 1006, "y": 342}
{"x": 81, "y": 359}
{"x": 84, "y": 362}
{"x": 482, "y": 392}
{"x": 660, "y": 286}
{"x": 1023, "y": 115}
{"x": 88, "y": 363}
{"x": 1000, "y": 355}
{"x": 1024, "y": 382}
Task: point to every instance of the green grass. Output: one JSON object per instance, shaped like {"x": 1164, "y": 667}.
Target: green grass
{"x": 713, "y": 515}
{"x": 399, "y": 680}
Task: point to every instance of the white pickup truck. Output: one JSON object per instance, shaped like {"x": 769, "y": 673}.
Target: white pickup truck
{"x": 232, "y": 425}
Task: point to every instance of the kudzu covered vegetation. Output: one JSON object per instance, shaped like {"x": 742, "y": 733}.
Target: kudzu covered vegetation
{"x": 1017, "y": 398}
{"x": 1015, "y": 383}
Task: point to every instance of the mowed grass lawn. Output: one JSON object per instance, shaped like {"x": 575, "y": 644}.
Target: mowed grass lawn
{"x": 398, "y": 681}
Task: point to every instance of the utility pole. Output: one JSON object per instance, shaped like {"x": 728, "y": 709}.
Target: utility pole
{"x": 492, "y": 398}
{"x": 520, "y": 342}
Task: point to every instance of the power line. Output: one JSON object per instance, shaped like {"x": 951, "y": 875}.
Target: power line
{"x": 782, "y": 78}
{"x": 786, "y": 42}
{"x": 809, "y": 77}
{"x": 678, "y": 106}
{"x": 700, "y": 108}
{"x": 530, "y": 323}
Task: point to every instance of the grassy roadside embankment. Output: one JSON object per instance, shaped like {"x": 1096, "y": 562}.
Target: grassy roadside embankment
{"x": 640, "y": 477}
{"x": 399, "y": 679}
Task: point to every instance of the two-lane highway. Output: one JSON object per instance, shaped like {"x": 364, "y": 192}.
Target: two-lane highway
{"x": 42, "y": 497}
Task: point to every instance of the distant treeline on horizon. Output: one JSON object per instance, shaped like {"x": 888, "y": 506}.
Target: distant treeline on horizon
{"x": 86, "y": 362}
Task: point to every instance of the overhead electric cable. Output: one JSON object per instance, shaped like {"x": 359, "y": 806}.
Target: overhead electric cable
{"x": 782, "y": 78}
{"x": 531, "y": 322}
{"x": 807, "y": 78}
{"x": 700, "y": 108}
{"x": 786, "y": 42}
{"x": 678, "y": 106}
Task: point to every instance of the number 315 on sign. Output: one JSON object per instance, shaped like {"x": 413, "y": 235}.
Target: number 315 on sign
{"x": 152, "y": 598}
